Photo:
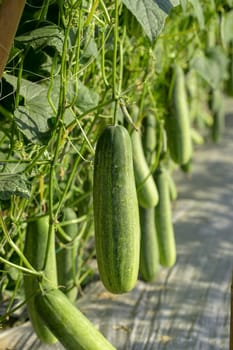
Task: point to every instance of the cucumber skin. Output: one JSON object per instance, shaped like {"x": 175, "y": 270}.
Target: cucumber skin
{"x": 67, "y": 258}
{"x": 35, "y": 250}
{"x": 68, "y": 324}
{"x": 116, "y": 212}
{"x": 177, "y": 123}
{"x": 146, "y": 189}
{"x": 149, "y": 252}
{"x": 163, "y": 221}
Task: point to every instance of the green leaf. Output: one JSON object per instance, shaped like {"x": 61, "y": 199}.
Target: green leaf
{"x": 41, "y": 37}
{"x": 13, "y": 184}
{"x": 32, "y": 118}
{"x": 86, "y": 97}
{"x": 151, "y": 14}
{"x": 212, "y": 67}
{"x": 198, "y": 12}
{"x": 228, "y": 28}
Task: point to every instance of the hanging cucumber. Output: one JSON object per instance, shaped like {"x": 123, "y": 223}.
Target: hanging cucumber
{"x": 149, "y": 252}
{"x": 116, "y": 213}
{"x": 146, "y": 188}
{"x": 218, "y": 112}
{"x": 172, "y": 187}
{"x": 230, "y": 71}
{"x": 67, "y": 257}
{"x": 163, "y": 221}
{"x": 68, "y": 324}
{"x": 177, "y": 123}
{"x": 36, "y": 241}
{"x": 149, "y": 141}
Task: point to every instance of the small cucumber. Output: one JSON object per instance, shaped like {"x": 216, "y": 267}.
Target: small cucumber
{"x": 116, "y": 213}
{"x": 68, "y": 324}
{"x": 67, "y": 258}
{"x": 146, "y": 188}
{"x": 149, "y": 252}
{"x": 36, "y": 241}
{"x": 149, "y": 140}
{"x": 172, "y": 187}
{"x": 229, "y": 83}
{"x": 218, "y": 112}
{"x": 163, "y": 221}
{"x": 177, "y": 123}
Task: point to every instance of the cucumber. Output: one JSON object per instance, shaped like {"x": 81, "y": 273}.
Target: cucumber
{"x": 67, "y": 257}
{"x": 177, "y": 123}
{"x": 36, "y": 241}
{"x": 229, "y": 83}
{"x": 218, "y": 112}
{"x": 187, "y": 167}
{"x": 116, "y": 213}
{"x": 149, "y": 252}
{"x": 68, "y": 324}
{"x": 149, "y": 141}
{"x": 163, "y": 221}
{"x": 146, "y": 188}
{"x": 172, "y": 187}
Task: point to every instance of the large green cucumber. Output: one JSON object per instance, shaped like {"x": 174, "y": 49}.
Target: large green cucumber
{"x": 68, "y": 324}
{"x": 146, "y": 188}
{"x": 116, "y": 213}
{"x": 35, "y": 247}
{"x": 149, "y": 139}
{"x": 163, "y": 221}
{"x": 149, "y": 252}
{"x": 67, "y": 257}
{"x": 177, "y": 123}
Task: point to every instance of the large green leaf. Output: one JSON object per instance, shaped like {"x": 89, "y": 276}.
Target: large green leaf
{"x": 41, "y": 37}
{"x": 151, "y": 14}
{"x": 33, "y": 117}
{"x": 13, "y": 184}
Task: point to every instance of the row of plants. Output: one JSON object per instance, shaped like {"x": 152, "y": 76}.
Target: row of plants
{"x": 101, "y": 102}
